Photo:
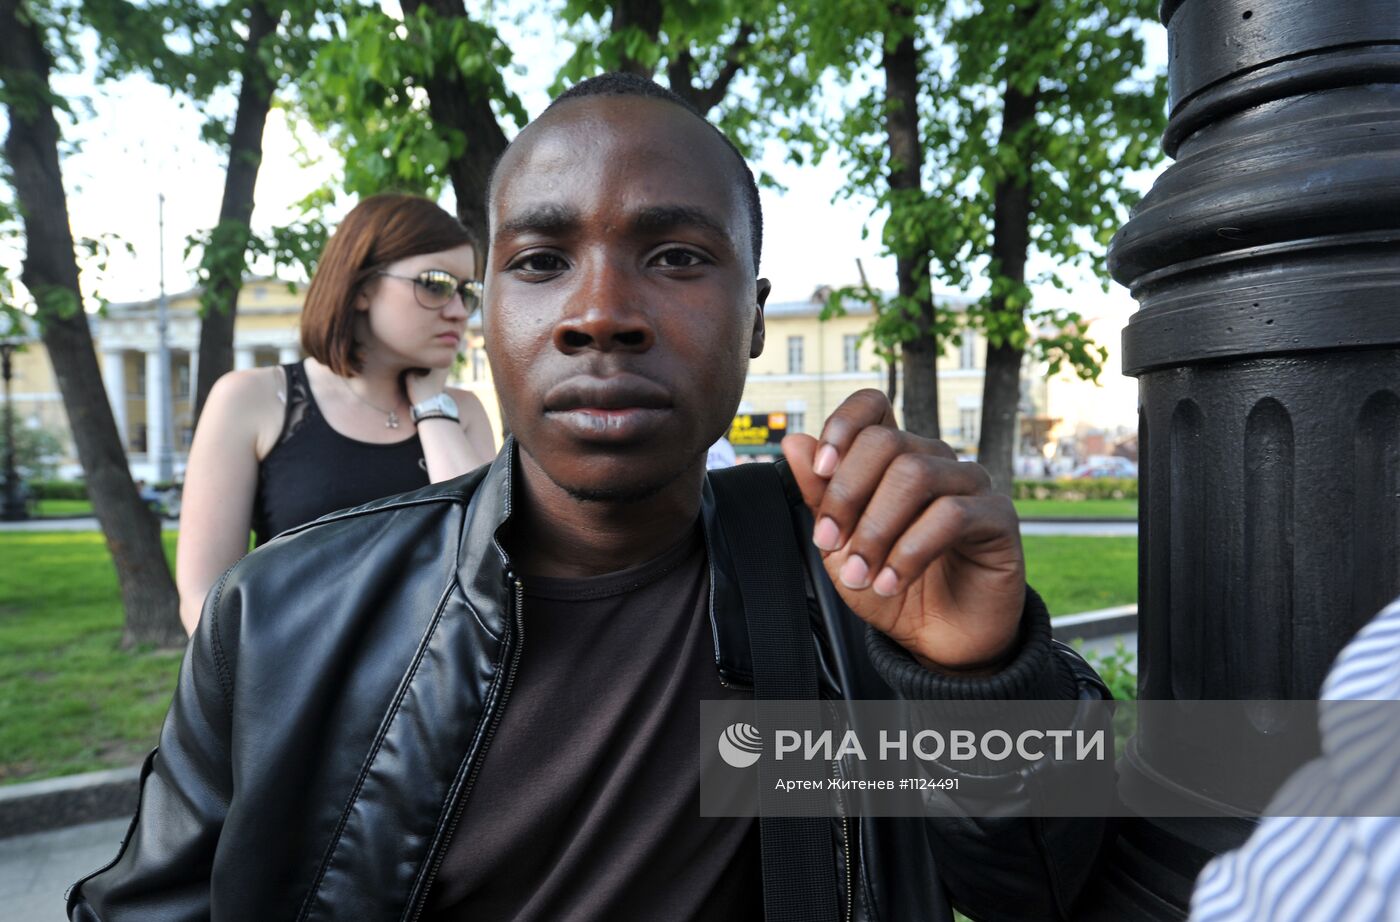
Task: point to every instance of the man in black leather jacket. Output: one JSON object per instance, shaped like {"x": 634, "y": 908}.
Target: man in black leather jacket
{"x": 347, "y": 681}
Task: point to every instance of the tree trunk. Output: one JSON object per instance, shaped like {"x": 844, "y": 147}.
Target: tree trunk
{"x": 1011, "y": 237}
{"x": 463, "y": 107}
{"x": 227, "y": 258}
{"x": 920, "y": 354}
{"x": 51, "y": 275}
{"x": 645, "y": 15}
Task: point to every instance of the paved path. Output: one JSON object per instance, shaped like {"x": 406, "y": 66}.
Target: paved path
{"x": 1088, "y": 529}
{"x": 36, "y": 869}
{"x": 81, "y": 524}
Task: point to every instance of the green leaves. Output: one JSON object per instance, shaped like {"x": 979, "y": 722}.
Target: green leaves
{"x": 1096, "y": 113}
{"x": 365, "y": 92}
{"x": 55, "y": 302}
{"x": 224, "y": 254}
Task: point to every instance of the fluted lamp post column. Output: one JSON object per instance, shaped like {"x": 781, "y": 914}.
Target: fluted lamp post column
{"x": 1266, "y": 265}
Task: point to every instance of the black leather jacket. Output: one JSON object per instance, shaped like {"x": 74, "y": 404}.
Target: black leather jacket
{"x": 347, "y": 677}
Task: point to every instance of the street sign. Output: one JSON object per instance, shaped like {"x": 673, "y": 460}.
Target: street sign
{"x": 757, "y": 429}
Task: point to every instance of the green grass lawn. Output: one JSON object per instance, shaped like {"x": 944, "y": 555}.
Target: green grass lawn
{"x": 1075, "y": 574}
{"x": 62, "y": 507}
{"x": 72, "y": 701}
{"x": 1077, "y": 508}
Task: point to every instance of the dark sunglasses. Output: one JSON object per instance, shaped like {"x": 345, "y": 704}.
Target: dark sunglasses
{"x": 434, "y": 289}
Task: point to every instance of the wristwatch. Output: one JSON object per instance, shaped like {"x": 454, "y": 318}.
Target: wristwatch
{"x": 441, "y": 406}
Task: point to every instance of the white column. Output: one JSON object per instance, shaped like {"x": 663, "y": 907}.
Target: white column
{"x": 114, "y": 379}
{"x": 154, "y": 430}
{"x": 287, "y": 355}
{"x": 194, "y": 375}
{"x": 243, "y": 358}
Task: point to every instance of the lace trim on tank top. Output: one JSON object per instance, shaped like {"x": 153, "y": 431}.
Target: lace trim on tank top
{"x": 296, "y": 394}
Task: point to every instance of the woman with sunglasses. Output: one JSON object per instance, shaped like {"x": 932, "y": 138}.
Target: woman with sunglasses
{"x": 366, "y": 414}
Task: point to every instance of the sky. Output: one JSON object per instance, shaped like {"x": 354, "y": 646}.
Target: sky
{"x": 135, "y": 142}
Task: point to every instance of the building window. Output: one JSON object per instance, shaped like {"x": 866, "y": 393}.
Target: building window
{"x": 850, "y": 352}
{"x": 138, "y": 442}
{"x": 795, "y": 355}
{"x": 967, "y": 423}
{"x": 967, "y": 355}
{"x": 797, "y": 422}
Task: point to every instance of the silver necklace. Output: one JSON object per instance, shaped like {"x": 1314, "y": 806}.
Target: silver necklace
{"x": 392, "y": 416}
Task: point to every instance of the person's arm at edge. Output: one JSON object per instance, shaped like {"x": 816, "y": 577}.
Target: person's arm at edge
{"x": 221, "y": 479}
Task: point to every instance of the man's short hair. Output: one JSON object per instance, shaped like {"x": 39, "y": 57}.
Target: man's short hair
{"x": 624, "y": 84}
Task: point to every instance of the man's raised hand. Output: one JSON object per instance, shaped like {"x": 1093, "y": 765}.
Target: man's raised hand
{"x": 914, "y": 540}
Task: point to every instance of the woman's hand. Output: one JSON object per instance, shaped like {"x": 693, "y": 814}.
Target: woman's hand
{"x": 422, "y": 384}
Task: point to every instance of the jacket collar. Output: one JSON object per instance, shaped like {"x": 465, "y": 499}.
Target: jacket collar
{"x": 485, "y": 572}
{"x": 483, "y": 567}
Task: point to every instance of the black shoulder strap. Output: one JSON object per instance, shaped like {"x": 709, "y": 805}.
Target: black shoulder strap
{"x": 799, "y": 870}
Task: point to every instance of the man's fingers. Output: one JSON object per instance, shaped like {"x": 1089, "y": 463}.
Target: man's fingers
{"x": 949, "y": 522}
{"x": 856, "y": 413}
{"x": 800, "y": 450}
{"x": 861, "y": 411}
{"x": 868, "y": 531}
{"x": 920, "y": 471}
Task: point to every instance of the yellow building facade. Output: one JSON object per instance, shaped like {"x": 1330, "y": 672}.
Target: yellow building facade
{"x": 127, "y": 342}
{"x": 808, "y": 367}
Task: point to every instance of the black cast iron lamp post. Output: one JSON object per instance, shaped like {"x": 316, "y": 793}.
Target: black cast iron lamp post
{"x": 1267, "y": 350}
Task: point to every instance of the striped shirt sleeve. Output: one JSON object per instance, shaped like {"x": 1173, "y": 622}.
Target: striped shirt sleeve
{"x": 1308, "y": 861}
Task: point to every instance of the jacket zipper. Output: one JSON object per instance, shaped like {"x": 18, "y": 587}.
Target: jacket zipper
{"x": 519, "y": 592}
{"x": 845, "y": 832}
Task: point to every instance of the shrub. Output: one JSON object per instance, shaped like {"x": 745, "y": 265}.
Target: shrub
{"x": 37, "y": 450}
{"x": 1098, "y": 488}
{"x": 58, "y": 489}
{"x": 1117, "y": 671}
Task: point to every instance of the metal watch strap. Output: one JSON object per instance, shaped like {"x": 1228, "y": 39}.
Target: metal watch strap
{"x": 440, "y": 405}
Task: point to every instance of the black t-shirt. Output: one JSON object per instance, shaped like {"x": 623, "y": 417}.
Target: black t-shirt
{"x": 314, "y": 470}
{"x": 587, "y": 805}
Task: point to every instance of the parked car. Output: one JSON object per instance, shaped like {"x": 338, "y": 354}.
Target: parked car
{"x": 1104, "y": 466}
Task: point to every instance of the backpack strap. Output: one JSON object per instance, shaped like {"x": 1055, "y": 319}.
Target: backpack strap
{"x": 799, "y": 869}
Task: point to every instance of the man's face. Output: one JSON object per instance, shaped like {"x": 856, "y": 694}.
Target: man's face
{"x": 621, "y": 308}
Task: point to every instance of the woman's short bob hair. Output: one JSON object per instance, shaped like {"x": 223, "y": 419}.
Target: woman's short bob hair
{"x": 378, "y": 231}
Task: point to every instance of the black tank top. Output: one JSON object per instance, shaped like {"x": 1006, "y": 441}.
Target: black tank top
{"x": 314, "y": 470}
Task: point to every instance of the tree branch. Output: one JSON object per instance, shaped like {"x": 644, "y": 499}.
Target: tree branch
{"x": 681, "y": 73}
{"x": 458, "y": 105}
